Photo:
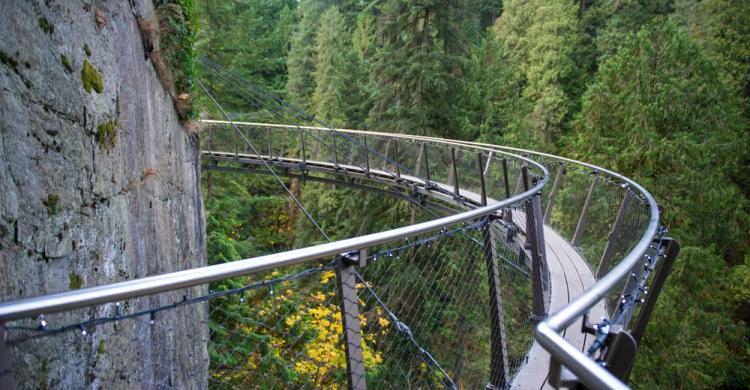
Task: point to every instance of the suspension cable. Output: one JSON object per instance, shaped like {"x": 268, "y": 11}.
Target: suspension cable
{"x": 216, "y": 69}
{"x": 268, "y": 166}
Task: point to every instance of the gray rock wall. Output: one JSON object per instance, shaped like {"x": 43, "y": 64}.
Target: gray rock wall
{"x": 95, "y": 187}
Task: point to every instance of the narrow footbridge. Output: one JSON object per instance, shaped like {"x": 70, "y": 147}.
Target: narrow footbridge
{"x": 516, "y": 269}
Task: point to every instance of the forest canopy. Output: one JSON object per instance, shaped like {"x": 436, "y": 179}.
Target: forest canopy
{"x": 656, "y": 90}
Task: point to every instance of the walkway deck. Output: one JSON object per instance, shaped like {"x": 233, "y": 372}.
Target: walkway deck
{"x": 570, "y": 276}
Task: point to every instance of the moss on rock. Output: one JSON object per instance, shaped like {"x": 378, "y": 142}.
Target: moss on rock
{"x": 66, "y": 63}
{"x": 91, "y": 78}
{"x": 106, "y": 134}
{"x": 75, "y": 281}
{"x": 87, "y": 50}
{"x": 52, "y": 202}
{"x": 45, "y": 25}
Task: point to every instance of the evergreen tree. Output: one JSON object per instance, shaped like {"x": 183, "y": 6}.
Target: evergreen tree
{"x": 418, "y": 65}
{"x": 723, "y": 29}
{"x": 658, "y": 112}
{"x": 336, "y": 93}
{"x": 329, "y": 99}
{"x": 249, "y": 38}
{"x": 492, "y": 93}
{"x": 539, "y": 39}
{"x": 301, "y": 59}
{"x": 622, "y": 17}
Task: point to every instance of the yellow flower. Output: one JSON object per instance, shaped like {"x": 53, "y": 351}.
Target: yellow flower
{"x": 326, "y": 276}
{"x": 291, "y": 320}
{"x": 383, "y": 322}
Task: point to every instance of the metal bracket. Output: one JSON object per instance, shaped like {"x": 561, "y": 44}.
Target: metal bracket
{"x": 356, "y": 258}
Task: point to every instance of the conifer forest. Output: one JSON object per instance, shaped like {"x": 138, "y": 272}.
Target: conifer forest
{"x": 656, "y": 90}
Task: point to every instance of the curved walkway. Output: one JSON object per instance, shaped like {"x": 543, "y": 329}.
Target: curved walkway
{"x": 570, "y": 275}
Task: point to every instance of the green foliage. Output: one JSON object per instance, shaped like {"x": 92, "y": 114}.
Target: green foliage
{"x": 618, "y": 18}
{"x": 177, "y": 26}
{"x": 66, "y": 63}
{"x": 417, "y": 68}
{"x": 75, "y": 281}
{"x": 692, "y": 340}
{"x": 539, "y": 40}
{"x": 45, "y": 25}
{"x": 335, "y": 97}
{"x": 251, "y": 39}
{"x": 658, "y": 107}
{"x": 723, "y": 26}
{"x": 301, "y": 59}
{"x": 492, "y": 94}
{"x": 106, "y": 135}
{"x": 91, "y": 78}
{"x": 613, "y": 82}
{"x": 658, "y": 112}
{"x": 52, "y": 203}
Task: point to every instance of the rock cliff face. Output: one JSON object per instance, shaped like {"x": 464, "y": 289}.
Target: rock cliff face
{"x": 98, "y": 183}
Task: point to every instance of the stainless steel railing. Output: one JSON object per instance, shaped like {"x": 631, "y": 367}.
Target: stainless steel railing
{"x": 357, "y": 158}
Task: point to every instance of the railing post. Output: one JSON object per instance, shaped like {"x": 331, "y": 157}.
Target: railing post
{"x": 367, "y": 155}
{"x": 249, "y": 135}
{"x": 418, "y": 165}
{"x": 612, "y": 237}
{"x": 270, "y": 149}
{"x": 507, "y": 213}
{"x": 482, "y": 189}
{"x": 576, "y": 241}
{"x": 302, "y": 142}
{"x": 520, "y": 182}
{"x": 387, "y": 154}
{"x": 662, "y": 271}
{"x": 347, "y": 284}
{"x": 6, "y": 377}
{"x": 559, "y": 177}
{"x": 395, "y": 151}
{"x": 499, "y": 367}
{"x": 487, "y": 166}
{"x": 454, "y": 172}
{"x": 535, "y": 239}
{"x": 335, "y": 152}
{"x": 505, "y": 178}
{"x": 210, "y": 139}
{"x": 234, "y": 141}
{"x": 426, "y": 167}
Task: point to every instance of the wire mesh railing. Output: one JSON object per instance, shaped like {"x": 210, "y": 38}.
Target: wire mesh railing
{"x": 424, "y": 304}
{"x": 451, "y": 302}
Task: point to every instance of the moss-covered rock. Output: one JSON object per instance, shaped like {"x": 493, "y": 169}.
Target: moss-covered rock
{"x": 66, "y": 63}
{"x": 91, "y": 78}
{"x": 52, "y": 202}
{"x": 75, "y": 281}
{"x": 45, "y": 25}
{"x": 106, "y": 134}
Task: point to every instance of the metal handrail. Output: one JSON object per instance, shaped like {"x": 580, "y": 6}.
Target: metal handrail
{"x": 28, "y": 307}
{"x": 548, "y": 331}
